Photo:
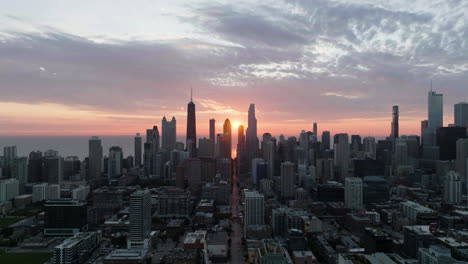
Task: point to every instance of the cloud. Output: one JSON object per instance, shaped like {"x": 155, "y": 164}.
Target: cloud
{"x": 346, "y": 96}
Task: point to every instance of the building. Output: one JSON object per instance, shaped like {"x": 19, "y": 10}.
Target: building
{"x": 75, "y": 249}
{"x": 9, "y": 154}
{"x": 35, "y": 164}
{"x": 80, "y": 193}
{"x": 19, "y": 169}
{"x": 435, "y": 254}
{"x": 353, "y": 193}
{"x": 191, "y": 142}
{"x": 254, "y": 209}
{"x": 411, "y": 210}
{"x": 452, "y": 188}
{"x": 115, "y": 162}
{"x": 268, "y": 151}
{"x": 140, "y": 220}
{"x": 127, "y": 256}
{"x": 226, "y": 143}
{"x": 9, "y": 189}
{"x": 95, "y": 160}
{"x": 173, "y": 202}
{"x": 271, "y": 251}
{"x": 447, "y": 138}
{"x": 205, "y": 147}
{"x": 138, "y": 150}
{"x": 219, "y": 192}
{"x": 53, "y": 167}
{"x": 461, "y": 161}
{"x": 65, "y": 217}
{"x": 287, "y": 180}
{"x": 395, "y": 127}
{"x": 461, "y": 114}
{"x": 342, "y": 157}
{"x": 251, "y": 137}
{"x": 45, "y": 191}
{"x": 326, "y": 140}
{"x": 304, "y": 257}
{"x": 169, "y": 132}
{"x": 435, "y": 108}
{"x": 370, "y": 147}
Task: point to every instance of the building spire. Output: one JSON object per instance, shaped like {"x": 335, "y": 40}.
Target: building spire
{"x": 431, "y": 86}
{"x": 191, "y": 93}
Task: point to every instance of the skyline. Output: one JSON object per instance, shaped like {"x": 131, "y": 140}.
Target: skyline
{"x": 343, "y": 67}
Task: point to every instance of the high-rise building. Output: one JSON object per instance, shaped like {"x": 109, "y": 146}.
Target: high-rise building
{"x": 35, "y": 167}
{"x": 44, "y": 191}
{"x": 356, "y": 144}
{"x": 152, "y": 136}
{"x": 315, "y": 128}
{"x": 326, "y": 140}
{"x": 287, "y": 180}
{"x": 353, "y": 193}
{"x": 254, "y": 209}
{"x": 19, "y": 170}
{"x": 95, "y": 160}
{"x": 446, "y": 141}
{"x": 251, "y": 138}
{"x": 255, "y": 165}
{"x": 205, "y": 147}
{"x": 9, "y": 189}
{"x": 342, "y": 157}
{"x": 53, "y": 167}
{"x": 191, "y": 142}
{"x": 65, "y": 217}
{"x": 227, "y": 139}
{"x": 169, "y": 133}
{"x": 71, "y": 168}
{"x": 138, "y": 150}
{"x": 461, "y": 161}
{"x": 115, "y": 162}
{"x": 401, "y": 153}
{"x": 213, "y": 129}
{"x": 148, "y": 159}
{"x": 452, "y": 188}
{"x": 461, "y": 114}
{"x": 395, "y": 127}
{"x": 140, "y": 219}
{"x": 9, "y": 154}
{"x": 424, "y": 124}
{"x": 435, "y": 105}
{"x": 370, "y": 147}
{"x": 241, "y": 155}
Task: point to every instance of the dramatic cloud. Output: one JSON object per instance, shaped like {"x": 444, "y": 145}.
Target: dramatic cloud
{"x": 300, "y": 61}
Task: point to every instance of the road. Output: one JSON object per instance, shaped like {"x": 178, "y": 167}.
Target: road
{"x": 237, "y": 250}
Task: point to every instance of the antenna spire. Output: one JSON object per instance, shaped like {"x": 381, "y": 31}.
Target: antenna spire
{"x": 191, "y": 93}
{"x": 431, "y": 85}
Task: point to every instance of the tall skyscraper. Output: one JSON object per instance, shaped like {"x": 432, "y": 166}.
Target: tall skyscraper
{"x": 395, "y": 127}
{"x": 213, "y": 129}
{"x": 424, "y": 124}
{"x": 353, "y": 193}
{"x": 227, "y": 137}
{"x": 191, "y": 142}
{"x": 254, "y": 209}
{"x": 9, "y": 154}
{"x": 461, "y": 161}
{"x": 168, "y": 134}
{"x": 461, "y": 114}
{"x": 140, "y": 220}
{"x": 242, "y": 163}
{"x": 435, "y": 108}
{"x": 370, "y": 147}
{"x": 268, "y": 154}
{"x": 152, "y": 136}
{"x": 452, "y": 188}
{"x": 315, "y": 130}
{"x": 19, "y": 170}
{"x": 326, "y": 139}
{"x": 287, "y": 180}
{"x": 95, "y": 160}
{"x": 138, "y": 150}
{"x": 115, "y": 162}
{"x": 251, "y": 134}
{"x": 342, "y": 157}
{"x": 53, "y": 167}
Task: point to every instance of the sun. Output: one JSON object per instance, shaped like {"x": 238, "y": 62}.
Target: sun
{"x": 235, "y": 125}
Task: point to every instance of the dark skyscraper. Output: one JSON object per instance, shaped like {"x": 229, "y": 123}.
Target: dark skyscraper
{"x": 315, "y": 129}
{"x": 138, "y": 149}
{"x": 191, "y": 142}
{"x": 152, "y": 136}
{"x": 395, "y": 127}
{"x": 227, "y": 139}
{"x": 35, "y": 167}
{"x": 95, "y": 159}
{"x": 212, "y": 130}
{"x": 326, "y": 139}
{"x": 251, "y": 134}
{"x": 424, "y": 124}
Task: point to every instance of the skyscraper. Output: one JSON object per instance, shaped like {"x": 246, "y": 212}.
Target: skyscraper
{"x": 254, "y": 209}
{"x": 140, "y": 220}
{"x": 213, "y": 130}
{"x": 19, "y": 169}
{"x": 326, "y": 140}
{"x": 138, "y": 150}
{"x": 115, "y": 162}
{"x": 461, "y": 161}
{"x": 395, "y": 127}
{"x": 168, "y": 134}
{"x": 251, "y": 134}
{"x": 353, "y": 193}
{"x": 370, "y": 148}
{"x": 435, "y": 112}
{"x": 268, "y": 154}
{"x": 287, "y": 180}
{"x": 53, "y": 167}
{"x": 342, "y": 157}
{"x": 242, "y": 163}
{"x": 95, "y": 160}
{"x": 452, "y": 188}
{"x": 227, "y": 137}
{"x": 461, "y": 114}
{"x": 35, "y": 167}
{"x": 9, "y": 154}
{"x": 315, "y": 130}
{"x": 152, "y": 136}
{"x": 191, "y": 142}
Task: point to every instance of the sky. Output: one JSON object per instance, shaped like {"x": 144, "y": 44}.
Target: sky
{"x": 117, "y": 67}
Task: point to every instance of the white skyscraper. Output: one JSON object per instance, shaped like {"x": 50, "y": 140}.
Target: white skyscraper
{"x": 342, "y": 158}
{"x": 370, "y": 147}
{"x": 353, "y": 193}
{"x": 461, "y": 114}
{"x": 435, "y": 103}
{"x": 287, "y": 179}
{"x": 140, "y": 220}
{"x": 9, "y": 189}
{"x": 452, "y": 188}
{"x": 254, "y": 209}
